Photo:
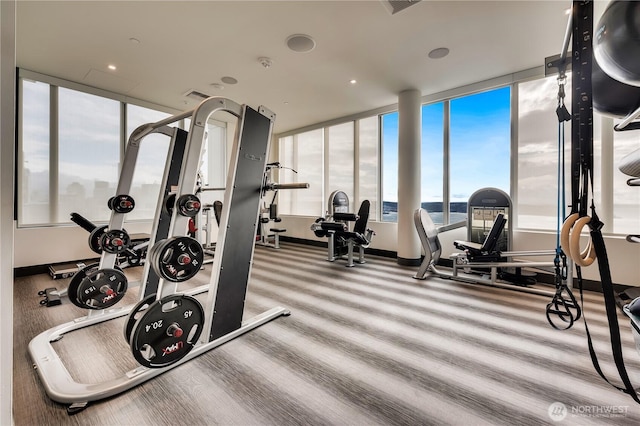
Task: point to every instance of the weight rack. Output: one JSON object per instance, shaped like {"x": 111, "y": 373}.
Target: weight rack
{"x": 231, "y": 267}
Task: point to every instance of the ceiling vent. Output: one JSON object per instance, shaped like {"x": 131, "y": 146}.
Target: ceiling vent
{"x": 395, "y": 6}
{"x": 198, "y": 96}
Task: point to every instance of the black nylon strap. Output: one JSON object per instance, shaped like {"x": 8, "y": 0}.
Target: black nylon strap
{"x": 582, "y": 181}
{"x": 612, "y": 315}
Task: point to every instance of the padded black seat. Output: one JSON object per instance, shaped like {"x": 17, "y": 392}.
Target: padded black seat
{"x": 487, "y": 250}
{"x": 361, "y": 235}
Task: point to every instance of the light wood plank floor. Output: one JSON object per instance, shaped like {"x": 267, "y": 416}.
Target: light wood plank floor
{"x": 363, "y": 346}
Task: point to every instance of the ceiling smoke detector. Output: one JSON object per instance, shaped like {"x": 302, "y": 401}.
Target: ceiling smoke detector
{"x": 265, "y": 62}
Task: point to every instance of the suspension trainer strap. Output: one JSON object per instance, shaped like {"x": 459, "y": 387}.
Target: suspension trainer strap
{"x": 563, "y": 305}
{"x": 582, "y": 181}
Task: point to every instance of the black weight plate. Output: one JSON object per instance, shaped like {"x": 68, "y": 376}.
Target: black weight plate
{"x": 76, "y": 280}
{"x": 115, "y": 241}
{"x": 167, "y": 331}
{"x": 94, "y": 238}
{"x": 178, "y": 258}
{"x": 102, "y": 288}
{"x": 188, "y": 205}
{"x": 122, "y": 203}
{"x": 136, "y": 314}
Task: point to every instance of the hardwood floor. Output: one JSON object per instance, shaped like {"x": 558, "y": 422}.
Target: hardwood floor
{"x": 363, "y": 346}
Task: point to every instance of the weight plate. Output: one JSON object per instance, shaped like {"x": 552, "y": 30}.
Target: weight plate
{"x": 94, "y": 238}
{"x": 136, "y": 314}
{"x": 102, "y": 288}
{"x": 76, "y": 280}
{"x": 115, "y": 241}
{"x": 178, "y": 259}
{"x": 188, "y": 205}
{"x": 121, "y": 203}
{"x": 167, "y": 331}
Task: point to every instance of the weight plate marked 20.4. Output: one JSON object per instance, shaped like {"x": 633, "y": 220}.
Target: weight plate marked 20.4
{"x": 136, "y": 314}
{"x": 167, "y": 331}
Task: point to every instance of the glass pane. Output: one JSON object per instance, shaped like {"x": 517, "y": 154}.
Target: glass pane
{"x": 432, "y": 160}
{"x": 89, "y": 153}
{"x": 390, "y": 167}
{"x": 340, "y": 165}
{"x": 309, "y": 154}
{"x": 480, "y": 134}
{"x": 33, "y": 180}
{"x": 538, "y": 153}
{"x": 368, "y": 163}
{"x": 286, "y": 175}
{"x": 626, "y": 199}
{"x": 152, "y": 157}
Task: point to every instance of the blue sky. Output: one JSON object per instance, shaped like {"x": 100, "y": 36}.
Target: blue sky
{"x": 479, "y": 146}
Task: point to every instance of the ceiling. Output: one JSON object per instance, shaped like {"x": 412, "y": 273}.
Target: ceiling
{"x": 185, "y": 45}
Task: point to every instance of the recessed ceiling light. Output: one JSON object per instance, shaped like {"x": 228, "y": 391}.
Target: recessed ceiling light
{"x": 301, "y": 43}
{"x": 134, "y": 40}
{"x": 112, "y": 67}
{"x": 353, "y": 81}
{"x": 438, "y": 53}
{"x": 228, "y": 80}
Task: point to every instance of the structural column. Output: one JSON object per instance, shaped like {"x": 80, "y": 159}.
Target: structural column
{"x": 409, "y": 142}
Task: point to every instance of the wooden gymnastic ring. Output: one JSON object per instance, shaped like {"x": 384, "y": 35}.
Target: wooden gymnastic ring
{"x": 565, "y": 233}
{"x": 588, "y": 255}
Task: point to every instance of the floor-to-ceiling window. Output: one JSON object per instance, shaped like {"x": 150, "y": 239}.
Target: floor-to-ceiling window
{"x": 479, "y": 146}
{"x": 389, "y": 143}
{"x": 432, "y": 160}
{"x": 70, "y": 152}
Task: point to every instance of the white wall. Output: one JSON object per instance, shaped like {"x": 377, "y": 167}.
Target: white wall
{"x": 7, "y": 139}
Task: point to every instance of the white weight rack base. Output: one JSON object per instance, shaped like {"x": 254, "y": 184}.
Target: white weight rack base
{"x": 61, "y": 387}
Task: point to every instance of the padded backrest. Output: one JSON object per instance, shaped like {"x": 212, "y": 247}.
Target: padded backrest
{"x": 217, "y": 210}
{"x": 428, "y": 234}
{"x": 360, "y": 226}
{"x": 489, "y": 244}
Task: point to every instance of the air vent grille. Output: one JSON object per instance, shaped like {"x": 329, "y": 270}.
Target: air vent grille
{"x": 395, "y": 6}
{"x": 194, "y": 94}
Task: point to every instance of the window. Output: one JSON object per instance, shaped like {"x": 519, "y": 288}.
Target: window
{"x": 88, "y": 154}
{"x": 480, "y": 142}
{"x": 340, "y": 163}
{"x": 368, "y": 163}
{"x": 538, "y": 153}
{"x": 70, "y": 153}
{"x": 389, "y": 144}
{"x": 626, "y": 199}
{"x": 303, "y": 152}
{"x": 432, "y": 161}
{"x": 150, "y": 164}
{"x": 34, "y": 156}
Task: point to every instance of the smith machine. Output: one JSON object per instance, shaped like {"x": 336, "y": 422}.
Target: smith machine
{"x": 166, "y": 327}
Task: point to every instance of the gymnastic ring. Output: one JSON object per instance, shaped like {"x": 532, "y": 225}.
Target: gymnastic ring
{"x": 566, "y": 232}
{"x": 588, "y": 255}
